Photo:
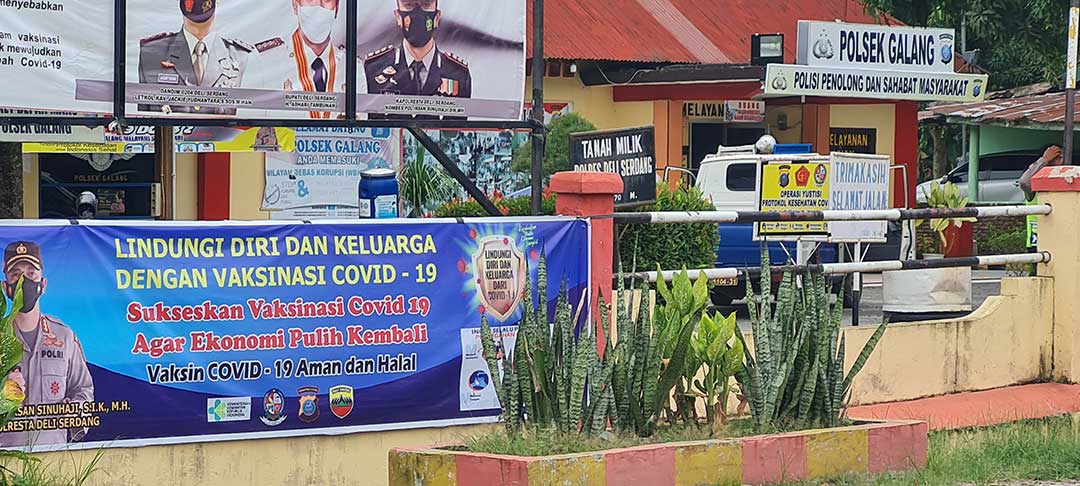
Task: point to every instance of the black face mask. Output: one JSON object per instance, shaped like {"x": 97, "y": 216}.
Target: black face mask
{"x": 421, "y": 25}
{"x": 198, "y": 11}
{"x": 31, "y": 291}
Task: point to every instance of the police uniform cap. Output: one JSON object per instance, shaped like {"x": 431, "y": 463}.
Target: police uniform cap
{"x": 22, "y": 251}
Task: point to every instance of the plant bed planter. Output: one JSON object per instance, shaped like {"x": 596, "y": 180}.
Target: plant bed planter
{"x": 869, "y": 447}
{"x": 929, "y": 290}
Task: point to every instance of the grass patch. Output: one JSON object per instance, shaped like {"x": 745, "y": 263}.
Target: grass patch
{"x": 1046, "y": 449}
{"x": 549, "y": 442}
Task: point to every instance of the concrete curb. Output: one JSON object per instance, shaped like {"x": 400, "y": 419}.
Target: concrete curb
{"x": 870, "y": 447}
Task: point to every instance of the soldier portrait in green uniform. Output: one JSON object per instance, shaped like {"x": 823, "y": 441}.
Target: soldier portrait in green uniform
{"x": 53, "y": 367}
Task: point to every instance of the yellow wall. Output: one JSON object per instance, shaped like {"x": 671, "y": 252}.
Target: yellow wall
{"x": 356, "y": 459}
{"x": 793, "y": 133}
{"x": 186, "y": 187}
{"x": 30, "y": 186}
{"x": 595, "y": 103}
{"x": 247, "y": 182}
{"x": 880, "y": 117}
{"x": 1009, "y": 340}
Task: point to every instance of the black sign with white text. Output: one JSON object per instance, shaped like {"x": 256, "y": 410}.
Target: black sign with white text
{"x": 630, "y": 153}
{"x": 853, "y": 140}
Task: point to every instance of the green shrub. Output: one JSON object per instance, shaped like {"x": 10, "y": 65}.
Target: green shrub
{"x": 1009, "y": 242}
{"x": 515, "y": 206}
{"x": 672, "y": 246}
{"x": 556, "y": 146}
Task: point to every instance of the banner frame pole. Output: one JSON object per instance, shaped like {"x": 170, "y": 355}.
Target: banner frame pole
{"x": 455, "y": 171}
{"x": 280, "y": 123}
{"x": 119, "y": 59}
{"x": 1070, "y": 82}
{"x": 350, "y": 59}
{"x": 538, "y": 135}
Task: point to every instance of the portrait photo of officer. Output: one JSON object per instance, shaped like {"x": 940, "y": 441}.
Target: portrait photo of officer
{"x": 53, "y": 368}
{"x": 306, "y": 58}
{"x": 417, "y": 66}
{"x": 197, "y": 55}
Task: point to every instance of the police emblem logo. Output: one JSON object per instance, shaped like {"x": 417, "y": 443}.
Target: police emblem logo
{"x": 21, "y": 249}
{"x": 341, "y": 401}
{"x": 309, "y": 404}
{"x": 273, "y": 407}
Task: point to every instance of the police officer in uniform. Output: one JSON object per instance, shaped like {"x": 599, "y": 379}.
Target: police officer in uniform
{"x": 53, "y": 368}
{"x": 417, "y": 66}
{"x": 305, "y": 60}
{"x": 197, "y": 55}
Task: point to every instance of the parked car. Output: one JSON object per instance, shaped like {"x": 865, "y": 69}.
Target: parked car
{"x": 998, "y": 174}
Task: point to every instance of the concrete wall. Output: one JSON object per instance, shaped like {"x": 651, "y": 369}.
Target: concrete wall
{"x": 880, "y": 117}
{"x": 246, "y": 185}
{"x": 358, "y": 459}
{"x": 1009, "y": 340}
{"x": 594, "y": 103}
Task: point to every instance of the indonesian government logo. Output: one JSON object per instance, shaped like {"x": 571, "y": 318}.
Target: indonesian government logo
{"x": 273, "y": 407}
{"x": 341, "y": 401}
{"x": 309, "y": 404}
{"x": 500, "y": 276}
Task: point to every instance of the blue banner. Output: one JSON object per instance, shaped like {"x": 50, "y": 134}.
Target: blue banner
{"x": 187, "y": 332}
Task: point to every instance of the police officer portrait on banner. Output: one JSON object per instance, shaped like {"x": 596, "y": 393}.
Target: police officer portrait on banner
{"x": 196, "y": 55}
{"x": 305, "y": 59}
{"x": 53, "y": 367}
{"x": 417, "y": 66}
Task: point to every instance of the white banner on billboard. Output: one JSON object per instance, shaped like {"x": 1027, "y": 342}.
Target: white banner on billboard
{"x": 794, "y": 80}
{"x": 47, "y": 46}
{"x": 51, "y": 133}
{"x": 868, "y": 46}
{"x": 325, "y": 169}
{"x": 316, "y": 212}
{"x": 268, "y": 60}
{"x": 473, "y": 55}
{"x": 859, "y": 182}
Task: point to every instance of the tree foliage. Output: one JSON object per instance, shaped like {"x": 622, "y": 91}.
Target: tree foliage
{"x": 1021, "y": 42}
{"x": 556, "y": 148}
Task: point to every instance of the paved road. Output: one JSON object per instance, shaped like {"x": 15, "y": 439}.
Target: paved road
{"x": 984, "y": 284}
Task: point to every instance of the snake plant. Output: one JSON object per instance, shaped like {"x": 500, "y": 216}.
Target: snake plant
{"x": 559, "y": 378}
{"x": 795, "y": 376}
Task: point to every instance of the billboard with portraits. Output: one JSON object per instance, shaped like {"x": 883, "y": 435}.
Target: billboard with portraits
{"x": 269, "y": 59}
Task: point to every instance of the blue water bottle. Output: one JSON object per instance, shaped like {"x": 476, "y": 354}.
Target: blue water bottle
{"x": 378, "y": 194}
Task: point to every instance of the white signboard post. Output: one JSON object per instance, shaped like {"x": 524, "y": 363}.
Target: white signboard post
{"x": 867, "y": 46}
{"x": 859, "y": 182}
{"x": 795, "y": 80}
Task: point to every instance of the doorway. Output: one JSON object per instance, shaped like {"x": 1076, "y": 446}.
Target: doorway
{"x": 707, "y": 137}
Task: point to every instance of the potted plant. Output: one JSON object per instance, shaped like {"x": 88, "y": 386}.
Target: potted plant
{"x": 932, "y": 292}
{"x": 948, "y": 230}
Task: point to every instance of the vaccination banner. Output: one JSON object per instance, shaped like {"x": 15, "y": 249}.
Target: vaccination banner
{"x": 170, "y": 333}
{"x": 325, "y": 169}
{"x": 48, "y": 47}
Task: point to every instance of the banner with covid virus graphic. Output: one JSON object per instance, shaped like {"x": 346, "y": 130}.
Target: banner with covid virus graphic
{"x": 168, "y": 333}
